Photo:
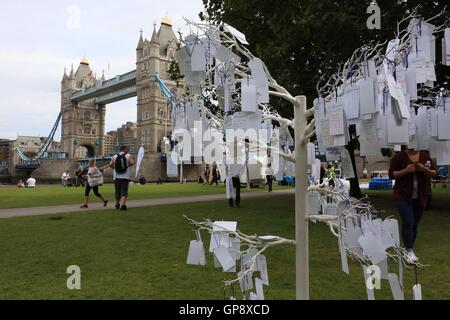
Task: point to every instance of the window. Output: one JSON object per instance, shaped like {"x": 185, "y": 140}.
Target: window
{"x": 94, "y": 132}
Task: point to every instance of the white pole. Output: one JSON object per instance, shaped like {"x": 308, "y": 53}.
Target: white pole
{"x": 301, "y": 190}
{"x": 181, "y": 172}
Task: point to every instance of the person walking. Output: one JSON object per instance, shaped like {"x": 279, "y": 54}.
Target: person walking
{"x": 235, "y": 172}
{"x": 94, "y": 180}
{"x": 122, "y": 163}
{"x": 79, "y": 176}
{"x": 207, "y": 174}
{"x": 215, "y": 174}
{"x": 270, "y": 176}
{"x": 411, "y": 169}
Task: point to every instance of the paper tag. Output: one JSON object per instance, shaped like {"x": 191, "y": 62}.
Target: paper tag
{"x": 219, "y": 239}
{"x": 314, "y": 202}
{"x": 261, "y": 262}
{"x": 417, "y": 292}
{"x": 235, "y": 249}
{"x": 372, "y": 248}
{"x": 370, "y": 293}
{"x": 225, "y": 259}
{"x": 224, "y": 226}
{"x": 343, "y": 253}
{"x": 384, "y": 269}
{"x": 259, "y": 289}
{"x": 249, "y": 96}
{"x": 246, "y": 261}
{"x": 397, "y": 292}
{"x": 196, "y": 255}
{"x": 351, "y": 234}
{"x": 246, "y": 282}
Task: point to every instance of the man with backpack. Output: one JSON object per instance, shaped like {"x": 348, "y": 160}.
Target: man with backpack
{"x": 122, "y": 163}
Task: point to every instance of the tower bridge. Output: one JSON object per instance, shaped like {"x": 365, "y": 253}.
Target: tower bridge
{"x": 84, "y": 100}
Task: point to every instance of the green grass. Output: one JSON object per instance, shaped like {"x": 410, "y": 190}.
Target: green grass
{"x": 11, "y": 197}
{"x": 141, "y": 254}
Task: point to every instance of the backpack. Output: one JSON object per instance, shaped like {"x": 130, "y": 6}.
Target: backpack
{"x": 121, "y": 164}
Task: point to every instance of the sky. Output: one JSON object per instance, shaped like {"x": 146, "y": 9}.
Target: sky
{"x": 38, "y": 39}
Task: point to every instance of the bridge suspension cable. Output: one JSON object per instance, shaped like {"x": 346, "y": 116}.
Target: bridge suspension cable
{"x": 43, "y": 151}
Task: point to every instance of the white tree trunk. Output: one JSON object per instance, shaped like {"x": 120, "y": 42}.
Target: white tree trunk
{"x": 301, "y": 191}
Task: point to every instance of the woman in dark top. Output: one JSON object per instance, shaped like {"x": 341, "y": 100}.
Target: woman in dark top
{"x": 411, "y": 169}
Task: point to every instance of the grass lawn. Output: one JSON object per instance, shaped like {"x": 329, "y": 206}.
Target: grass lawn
{"x": 12, "y": 197}
{"x": 141, "y": 254}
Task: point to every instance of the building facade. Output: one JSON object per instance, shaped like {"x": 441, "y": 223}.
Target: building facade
{"x": 127, "y": 135}
{"x": 82, "y": 123}
{"x": 111, "y": 143}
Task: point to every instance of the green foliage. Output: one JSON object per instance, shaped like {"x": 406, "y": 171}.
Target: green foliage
{"x": 175, "y": 74}
{"x": 300, "y": 41}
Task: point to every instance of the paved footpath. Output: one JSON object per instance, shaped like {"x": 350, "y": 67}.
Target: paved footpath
{"x": 37, "y": 211}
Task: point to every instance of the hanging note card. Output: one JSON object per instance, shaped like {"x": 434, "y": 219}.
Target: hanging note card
{"x": 417, "y": 291}
{"x": 198, "y": 58}
{"x": 336, "y": 120}
{"x": 196, "y": 255}
{"x": 249, "y": 99}
{"x": 236, "y": 33}
{"x": 372, "y": 69}
{"x": 396, "y": 290}
{"x": 369, "y": 290}
{"x": 367, "y": 96}
{"x": 224, "y": 257}
{"x": 443, "y": 123}
{"x": 225, "y": 55}
{"x": 343, "y": 254}
{"x": 351, "y": 102}
{"x": 346, "y": 165}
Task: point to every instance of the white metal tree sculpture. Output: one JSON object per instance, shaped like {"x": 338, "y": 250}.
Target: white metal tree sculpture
{"x": 218, "y": 67}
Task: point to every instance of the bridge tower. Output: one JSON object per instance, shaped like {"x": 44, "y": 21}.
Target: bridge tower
{"x": 153, "y": 113}
{"x": 82, "y": 123}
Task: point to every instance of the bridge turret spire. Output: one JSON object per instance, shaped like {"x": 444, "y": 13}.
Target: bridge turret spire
{"x": 155, "y": 37}
{"x": 141, "y": 42}
{"x": 65, "y": 75}
{"x": 72, "y": 74}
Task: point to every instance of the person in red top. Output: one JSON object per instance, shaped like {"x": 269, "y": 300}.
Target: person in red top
{"x": 410, "y": 169}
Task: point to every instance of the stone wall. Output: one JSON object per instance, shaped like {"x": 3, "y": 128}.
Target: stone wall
{"x": 371, "y": 164}
{"x": 53, "y": 169}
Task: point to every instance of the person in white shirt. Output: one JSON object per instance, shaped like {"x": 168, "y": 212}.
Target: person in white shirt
{"x": 270, "y": 176}
{"x": 122, "y": 163}
{"x": 31, "y": 182}
{"x": 64, "y": 178}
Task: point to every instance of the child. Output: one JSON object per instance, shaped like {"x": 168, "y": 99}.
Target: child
{"x": 94, "y": 179}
